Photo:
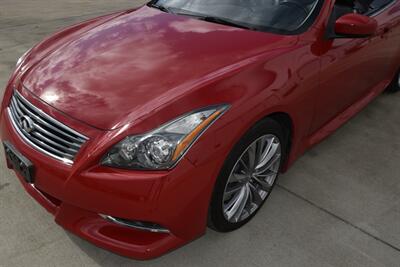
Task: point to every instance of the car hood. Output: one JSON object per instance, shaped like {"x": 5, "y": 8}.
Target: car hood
{"x": 135, "y": 62}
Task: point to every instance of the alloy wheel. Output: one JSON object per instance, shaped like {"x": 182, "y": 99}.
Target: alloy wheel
{"x": 252, "y": 178}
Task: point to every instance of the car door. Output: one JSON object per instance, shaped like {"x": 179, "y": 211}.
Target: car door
{"x": 352, "y": 67}
{"x": 387, "y": 13}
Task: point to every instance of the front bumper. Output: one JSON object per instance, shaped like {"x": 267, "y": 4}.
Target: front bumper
{"x": 177, "y": 200}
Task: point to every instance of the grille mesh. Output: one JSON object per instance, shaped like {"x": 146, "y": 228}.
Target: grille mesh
{"x": 44, "y": 132}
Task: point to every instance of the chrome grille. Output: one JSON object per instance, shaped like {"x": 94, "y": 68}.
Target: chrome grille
{"x": 43, "y": 132}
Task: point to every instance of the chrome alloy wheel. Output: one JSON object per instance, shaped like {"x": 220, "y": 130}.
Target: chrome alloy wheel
{"x": 252, "y": 178}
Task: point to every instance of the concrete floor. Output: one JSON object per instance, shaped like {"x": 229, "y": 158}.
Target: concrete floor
{"x": 338, "y": 206}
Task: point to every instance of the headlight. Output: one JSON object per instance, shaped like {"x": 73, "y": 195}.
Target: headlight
{"x": 165, "y": 146}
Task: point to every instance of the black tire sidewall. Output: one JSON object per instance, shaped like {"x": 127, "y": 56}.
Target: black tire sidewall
{"x": 394, "y": 85}
{"x": 216, "y": 219}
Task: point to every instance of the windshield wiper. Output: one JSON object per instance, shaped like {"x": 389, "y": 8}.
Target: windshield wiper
{"x": 201, "y": 16}
{"x": 160, "y": 7}
{"x": 225, "y": 22}
{"x": 216, "y": 20}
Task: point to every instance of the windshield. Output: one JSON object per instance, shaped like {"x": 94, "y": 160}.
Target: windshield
{"x": 266, "y": 15}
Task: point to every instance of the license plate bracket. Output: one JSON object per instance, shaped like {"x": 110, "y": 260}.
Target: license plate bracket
{"x": 19, "y": 163}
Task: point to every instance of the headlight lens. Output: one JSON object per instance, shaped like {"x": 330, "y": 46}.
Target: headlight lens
{"x": 163, "y": 147}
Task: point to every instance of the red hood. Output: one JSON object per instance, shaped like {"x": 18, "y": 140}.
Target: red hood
{"x": 136, "y": 60}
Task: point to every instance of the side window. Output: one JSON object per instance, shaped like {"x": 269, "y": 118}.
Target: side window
{"x": 343, "y": 7}
{"x": 368, "y": 7}
{"x": 379, "y": 4}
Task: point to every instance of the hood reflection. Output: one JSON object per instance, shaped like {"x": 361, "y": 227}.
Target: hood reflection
{"x": 135, "y": 61}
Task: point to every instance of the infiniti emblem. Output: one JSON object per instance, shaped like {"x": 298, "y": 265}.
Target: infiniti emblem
{"x": 27, "y": 124}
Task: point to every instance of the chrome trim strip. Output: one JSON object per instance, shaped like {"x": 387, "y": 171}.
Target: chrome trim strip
{"x": 148, "y": 229}
{"x": 48, "y": 141}
{"x": 43, "y": 131}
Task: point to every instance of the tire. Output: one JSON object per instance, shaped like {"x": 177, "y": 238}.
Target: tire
{"x": 394, "y": 86}
{"x": 268, "y": 132}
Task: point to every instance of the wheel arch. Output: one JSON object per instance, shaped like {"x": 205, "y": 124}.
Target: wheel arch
{"x": 286, "y": 122}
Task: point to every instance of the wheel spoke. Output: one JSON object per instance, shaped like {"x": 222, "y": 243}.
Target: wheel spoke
{"x": 237, "y": 177}
{"x": 246, "y": 166}
{"x": 232, "y": 190}
{"x": 260, "y": 149}
{"x": 266, "y": 174}
{"x": 267, "y": 177}
{"x": 265, "y": 153}
{"x": 269, "y": 165}
{"x": 268, "y": 155}
{"x": 256, "y": 197}
{"x": 251, "y": 152}
{"x": 264, "y": 185}
{"x": 233, "y": 201}
{"x": 236, "y": 203}
{"x": 243, "y": 204}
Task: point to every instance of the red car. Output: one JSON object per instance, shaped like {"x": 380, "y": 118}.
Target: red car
{"x": 138, "y": 129}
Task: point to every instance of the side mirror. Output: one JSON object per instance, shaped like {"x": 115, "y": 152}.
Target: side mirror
{"x": 355, "y": 26}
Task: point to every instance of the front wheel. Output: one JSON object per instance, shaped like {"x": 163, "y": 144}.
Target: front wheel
{"x": 248, "y": 176}
{"x": 395, "y": 84}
